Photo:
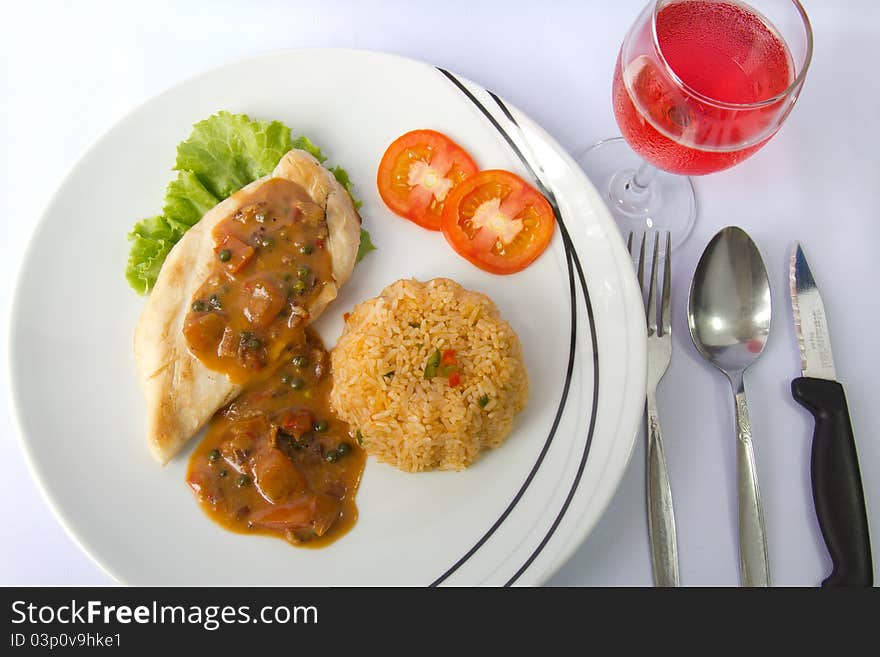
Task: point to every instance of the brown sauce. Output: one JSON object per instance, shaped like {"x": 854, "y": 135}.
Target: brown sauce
{"x": 271, "y": 263}
{"x": 275, "y": 460}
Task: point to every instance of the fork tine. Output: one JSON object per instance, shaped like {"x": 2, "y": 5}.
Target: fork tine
{"x": 641, "y": 270}
{"x": 665, "y": 311}
{"x": 652, "y": 289}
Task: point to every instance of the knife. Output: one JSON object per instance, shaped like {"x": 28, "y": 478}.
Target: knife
{"x": 837, "y": 482}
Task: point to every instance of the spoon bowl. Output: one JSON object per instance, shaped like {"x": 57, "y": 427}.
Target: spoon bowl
{"x": 729, "y": 305}
{"x": 729, "y": 319}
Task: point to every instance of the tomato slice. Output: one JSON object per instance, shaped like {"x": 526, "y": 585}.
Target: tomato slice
{"x": 498, "y": 222}
{"x": 418, "y": 172}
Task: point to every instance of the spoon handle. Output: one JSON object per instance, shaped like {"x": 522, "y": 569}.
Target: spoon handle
{"x": 753, "y": 561}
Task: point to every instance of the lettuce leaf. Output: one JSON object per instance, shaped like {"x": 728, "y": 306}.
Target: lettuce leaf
{"x": 223, "y": 153}
{"x": 365, "y": 246}
{"x": 187, "y": 200}
{"x": 151, "y": 240}
{"x": 228, "y": 151}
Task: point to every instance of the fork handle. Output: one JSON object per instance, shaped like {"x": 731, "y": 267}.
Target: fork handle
{"x": 661, "y": 517}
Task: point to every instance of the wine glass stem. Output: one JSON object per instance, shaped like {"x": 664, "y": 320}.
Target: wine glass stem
{"x": 637, "y": 187}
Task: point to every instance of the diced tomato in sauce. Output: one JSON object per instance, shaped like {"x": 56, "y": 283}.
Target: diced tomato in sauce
{"x": 264, "y": 302}
{"x": 240, "y": 253}
{"x": 296, "y": 423}
{"x": 308, "y": 512}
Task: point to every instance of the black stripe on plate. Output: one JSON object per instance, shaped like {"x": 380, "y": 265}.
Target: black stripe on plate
{"x": 572, "y": 253}
{"x": 583, "y": 462}
{"x": 571, "y": 257}
{"x": 566, "y": 385}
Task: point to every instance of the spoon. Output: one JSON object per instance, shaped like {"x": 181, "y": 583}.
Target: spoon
{"x": 729, "y": 321}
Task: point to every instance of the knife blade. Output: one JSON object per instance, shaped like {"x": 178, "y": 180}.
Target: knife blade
{"x": 837, "y": 483}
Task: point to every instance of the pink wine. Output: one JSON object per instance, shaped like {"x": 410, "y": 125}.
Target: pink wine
{"x": 723, "y": 51}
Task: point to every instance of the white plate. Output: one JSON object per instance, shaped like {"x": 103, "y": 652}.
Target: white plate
{"x": 512, "y": 518}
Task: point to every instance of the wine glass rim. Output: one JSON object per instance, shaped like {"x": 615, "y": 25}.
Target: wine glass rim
{"x": 797, "y": 82}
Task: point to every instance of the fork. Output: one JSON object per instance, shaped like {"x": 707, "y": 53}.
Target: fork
{"x": 661, "y": 518}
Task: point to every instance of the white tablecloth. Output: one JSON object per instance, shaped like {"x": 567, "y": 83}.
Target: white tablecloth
{"x": 70, "y": 70}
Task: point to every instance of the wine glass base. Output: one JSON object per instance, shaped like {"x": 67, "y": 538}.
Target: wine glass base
{"x": 668, "y": 202}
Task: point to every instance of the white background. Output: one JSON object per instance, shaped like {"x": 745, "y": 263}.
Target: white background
{"x": 71, "y": 70}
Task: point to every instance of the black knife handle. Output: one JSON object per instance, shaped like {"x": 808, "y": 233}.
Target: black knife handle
{"x": 837, "y": 482}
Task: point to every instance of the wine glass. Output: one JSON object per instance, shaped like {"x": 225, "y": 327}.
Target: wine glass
{"x": 698, "y": 87}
